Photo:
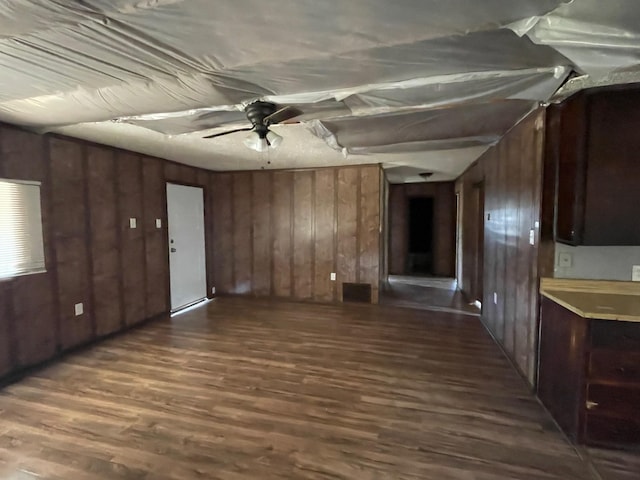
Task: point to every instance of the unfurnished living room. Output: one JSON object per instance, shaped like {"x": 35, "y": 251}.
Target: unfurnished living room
{"x": 354, "y": 239}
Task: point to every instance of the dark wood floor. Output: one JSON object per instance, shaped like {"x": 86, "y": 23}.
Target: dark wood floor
{"x": 259, "y": 389}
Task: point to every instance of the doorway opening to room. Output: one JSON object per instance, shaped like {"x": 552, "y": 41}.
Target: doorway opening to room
{"x": 420, "y": 249}
{"x": 187, "y": 256}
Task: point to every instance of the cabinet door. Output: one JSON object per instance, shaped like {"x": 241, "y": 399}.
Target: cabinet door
{"x": 571, "y": 171}
{"x": 612, "y": 193}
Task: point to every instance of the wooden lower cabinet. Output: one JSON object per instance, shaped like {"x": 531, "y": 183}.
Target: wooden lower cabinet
{"x": 589, "y": 376}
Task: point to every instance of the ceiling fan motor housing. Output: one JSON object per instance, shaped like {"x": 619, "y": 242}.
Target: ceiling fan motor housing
{"x": 257, "y": 112}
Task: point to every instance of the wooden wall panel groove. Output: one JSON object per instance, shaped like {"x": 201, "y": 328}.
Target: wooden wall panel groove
{"x": 32, "y": 309}
{"x": 104, "y": 239}
{"x": 70, "y": 240}
{"x": 512, "y": 172}
{"x": 324, "y": 235}
{"x": 299, "y": 232}
{"x": 369, "y": 228}
{"x": 88, "y": 194}
{"x": 282, "y": 227}
{"x": 302, "y": 235}
{"x": 223, "y": 251}
{"x": 156, "y": 241}
{"x": 348, "y": 201}
{"x": 262, "y": 245}
{"x": 130, "y": 201}
{"x": 242, "y": 233}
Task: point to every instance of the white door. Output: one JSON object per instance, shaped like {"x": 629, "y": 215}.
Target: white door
{"x": 185, "y": 214}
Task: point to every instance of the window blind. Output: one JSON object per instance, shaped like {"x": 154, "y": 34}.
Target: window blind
{"x": 21, "y": 244}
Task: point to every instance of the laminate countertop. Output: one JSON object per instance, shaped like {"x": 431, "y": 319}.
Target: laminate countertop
{"x": 605, "y": 300}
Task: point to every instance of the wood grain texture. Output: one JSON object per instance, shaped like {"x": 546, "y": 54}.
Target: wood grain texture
{"x": 347, "y": 234}
{"x": 223, "y": 251}
{"x": 262, "y": 244}
{"x": 85, "y": 212}
{"x": 590, "y": 286}
{"x": 282, "y": 233}
{"x": 33, "y": 307}
{"x": 303, "y": 234}
{"x": 396, "y": 393}
{"x": 71, "y": 240}
{"x": 156, "y": 246}
{"x": 369, "y": 229}
{"x": 324, "y": 228}
{"x": 130, "y": 205}
{"x": 242, "y": 233}
{"x": 512, "y": 175}
{"x": 104, "y": 246}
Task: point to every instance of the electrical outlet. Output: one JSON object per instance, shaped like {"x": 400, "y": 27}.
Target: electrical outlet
{"x": 333, "y": 276}
{"x": 133, "y": 223}
{"x": 213, "y": 290}
{"x": 532, "y": 237}
{"x": 635, "y": 273}
{"x": 79, "y": 309}
{"x": 565, "y": 260}
{"x": 158, "y": 223}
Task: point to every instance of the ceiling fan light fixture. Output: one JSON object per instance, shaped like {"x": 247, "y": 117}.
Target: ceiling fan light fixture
{"x": 274, "y": 139}
{"x": 255, "y": 142}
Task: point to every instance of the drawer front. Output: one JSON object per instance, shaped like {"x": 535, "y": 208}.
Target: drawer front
{"x": 621, "y": 402}
{"x": 615, "y": 366}
{"x": 600, "y": 430}
{"x": 615, "y": 335}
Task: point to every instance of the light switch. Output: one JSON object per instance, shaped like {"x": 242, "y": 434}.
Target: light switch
{"x": 79, "y": 309}
{"x": 133, "y": 223}
{"x": 333, "y": 276}
{"x": 532, "y": 237}
{"x": 158, "y": 223}
{"x": 495, "y": 298}
{"x": 635, "y": 273}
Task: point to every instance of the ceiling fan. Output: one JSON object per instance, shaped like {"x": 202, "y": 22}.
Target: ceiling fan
{"x": 262, "y": 115}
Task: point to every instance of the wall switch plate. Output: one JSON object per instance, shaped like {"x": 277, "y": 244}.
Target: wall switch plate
{"x": 495, "y": 298}
{"x": 158, "y": 223}
{"x": 532, "y": 237}
{"x": 133, "y": 223}
{"x": 79, "y": 309}
{"x": 635, "y": 273}
{"x": 213, "y": 290}
{"x": 333, "y": 276}
{"x": 565, "y": 260}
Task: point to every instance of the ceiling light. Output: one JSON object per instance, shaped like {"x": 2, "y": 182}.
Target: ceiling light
{"x": 254, "y": 142}
{"x": 274, "y": 139}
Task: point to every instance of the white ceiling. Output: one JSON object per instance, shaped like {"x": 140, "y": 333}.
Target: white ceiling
{"x": 417, "y": 85}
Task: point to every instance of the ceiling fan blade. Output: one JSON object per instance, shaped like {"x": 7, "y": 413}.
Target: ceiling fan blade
{"x": 230, "y": 131}
{"x": 282, "y": 115}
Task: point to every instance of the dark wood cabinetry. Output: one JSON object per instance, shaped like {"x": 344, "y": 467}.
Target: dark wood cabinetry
{"x": 589, "y": 376}
{"x": 593, "y": 140}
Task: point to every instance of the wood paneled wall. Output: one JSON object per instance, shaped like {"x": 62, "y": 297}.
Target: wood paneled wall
{"x": 88, "y": 194}
{"x": 444, "y": 225}
{"x": 512, "y": 176}
{"x": 282, "y": 233}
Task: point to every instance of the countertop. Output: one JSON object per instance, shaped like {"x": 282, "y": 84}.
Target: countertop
{"x": 605, "y": 300}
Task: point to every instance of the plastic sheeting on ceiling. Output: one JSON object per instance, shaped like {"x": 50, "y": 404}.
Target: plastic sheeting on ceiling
{"x": 375, "y": 79}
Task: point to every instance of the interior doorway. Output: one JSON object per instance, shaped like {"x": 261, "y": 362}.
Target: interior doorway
{"x": 187, "y": 257}
{"x": 420, "y": 238}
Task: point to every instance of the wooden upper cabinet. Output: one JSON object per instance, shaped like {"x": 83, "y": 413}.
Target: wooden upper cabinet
{"x": 595, "y": 138}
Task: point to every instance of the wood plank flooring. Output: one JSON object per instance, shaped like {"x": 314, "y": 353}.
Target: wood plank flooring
{"x": 265, "y": 389}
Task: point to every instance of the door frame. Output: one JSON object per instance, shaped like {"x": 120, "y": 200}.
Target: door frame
{"x": 208, "y": 236}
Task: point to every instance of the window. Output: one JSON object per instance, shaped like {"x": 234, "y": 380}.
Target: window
{"x": 21, "y": 247}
